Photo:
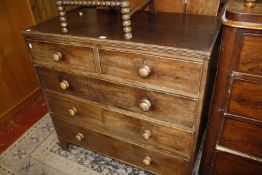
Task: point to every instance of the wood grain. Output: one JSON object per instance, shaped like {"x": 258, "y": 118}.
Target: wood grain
{"x": 203, "y": 7}
{"x": 246, "y": 99}
{"x": 17, "y": 76}
{"x": 250, "y": 60}
{"x": 81, "y": 58}
{"x": 124, "y": 127}
{"x": 179, "y": 111}
{"x": 243, "y": 137}
{"x": 230, "y": 164}
{"x": 182, "y": 76}
{"x": 130, "y": 153}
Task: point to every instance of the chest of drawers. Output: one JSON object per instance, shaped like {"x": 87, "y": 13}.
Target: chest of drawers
{"x": 234, "y": 142}
{"x": 138, "y": 101}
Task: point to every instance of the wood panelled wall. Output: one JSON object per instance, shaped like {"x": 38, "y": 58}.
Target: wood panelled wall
{"x": 44, "y": 9}
{"x": 17, "y": 78}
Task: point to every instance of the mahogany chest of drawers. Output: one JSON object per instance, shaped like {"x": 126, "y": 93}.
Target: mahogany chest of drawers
{"x": 138, "y": 101}
{"x": 234, "y": 136}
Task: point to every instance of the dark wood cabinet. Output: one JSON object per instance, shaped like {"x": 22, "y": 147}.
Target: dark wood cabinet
{"x": 139, "y": 101}
{"x": 234, "y": 143}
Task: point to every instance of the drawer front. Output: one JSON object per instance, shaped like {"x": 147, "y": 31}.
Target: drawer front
{"x": 127, "y": 152}
{"x": 63, "y": 56}
{"x": 182, "y": 76}
{"x": 229, "y": 164}
{"x": 157, "y": 136}
{"x": 172, "y": 109}
{"x": 246, "y": 99}
{"x": 250, "y": 60}
{"x": 243, "y": 137}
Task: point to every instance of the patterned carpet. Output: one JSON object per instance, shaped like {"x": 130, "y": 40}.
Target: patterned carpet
{"x": 37, "y": 153}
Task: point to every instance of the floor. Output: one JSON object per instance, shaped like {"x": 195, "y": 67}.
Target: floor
{"x": 21, "y": 121}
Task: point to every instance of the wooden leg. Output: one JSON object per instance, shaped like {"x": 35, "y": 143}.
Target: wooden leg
{"x": 152, "y": 6}
{"x": 126, "y": 22}
{"x": 64, "y": 144}
{"x": 62, "y": 15}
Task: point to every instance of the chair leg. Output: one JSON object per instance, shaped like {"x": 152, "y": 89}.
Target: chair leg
{"x": 126, "y": 22}
{"x": 62, "y": 15}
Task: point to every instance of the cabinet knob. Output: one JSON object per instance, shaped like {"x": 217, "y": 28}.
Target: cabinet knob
{"x": 144, "y": 71}
{"x": 79, "y": 137}
{"x": 64, "y": 85}
{"x": 147, "y": 160}
{"x": 72, "y": 111}
{"x": 147, "y": 134}
{"x": 145, "y": 105}
{"x": 250, "y": 3}
{"x": 57, "y": 56}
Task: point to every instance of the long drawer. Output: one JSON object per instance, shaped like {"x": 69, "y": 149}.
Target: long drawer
{"x": 127, "y": 152}
{"x": 172, "y": 109}
{"x": 142, "y": 132}
{"x": 181, "y": 76}
{"x": 242, "y": 136}
{"x": 246, "y": 99}
{"x": 65, "y": 56}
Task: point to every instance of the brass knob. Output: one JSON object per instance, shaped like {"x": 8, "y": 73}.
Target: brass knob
{"x": 144, "y": 71}
{"x": 250, "y": 3}
{"x": 64, "y": 84}
{"x": 147, "y": 134}
{"x": 57, "y": 56}
{"x": 72, "y": 111}
{"x": 79, "y": 137}
{"x": 145, "y": 105}
{"x": 147, "y": 160}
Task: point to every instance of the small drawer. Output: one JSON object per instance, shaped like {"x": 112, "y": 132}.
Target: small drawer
{"x": 157, "y": 136}
{"x": 243, "y": 137}
{"x": 63, "y": 56}
{"x": 139, "y": 156}
{"x": 178, "y": 75}
{"x": 168, "y": 108}
{"x": 250, "y": 58}
{"x": 246, "y": 99}
{"x": 230, "y": 164}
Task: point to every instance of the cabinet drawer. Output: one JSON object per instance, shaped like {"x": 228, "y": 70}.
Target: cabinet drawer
{"x": 63, "y": 56}
{"x": 246, "y": 99}
{"x": 181, "y": 76}
{"x": 243, "y": 137}
{"x": 150, "y": 134}
{"x": 173, "y": 109}
{"x": 250, "y": 58}
{"x": 124, "y": 151}
{"x": 229, "y": 164}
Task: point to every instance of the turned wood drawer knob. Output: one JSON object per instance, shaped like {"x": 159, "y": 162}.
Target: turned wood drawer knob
{"x": 64, "y": 84}
{"x": 72, "y": 111}
{"x": 250, "y": 3}
{"x": 57, "y": 56}
{"x": 147, "y": 134}
{"x": 145, "y": 105}
{"x": 79, "y": 137}
{"x": 144, "y": 71}
{"x": 147, "y": 160}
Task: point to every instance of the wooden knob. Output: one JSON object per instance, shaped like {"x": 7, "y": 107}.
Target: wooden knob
{"x": 147, "y": 134}
{"x": 57, "y": 56}
{"x": 147, "y": 160}
{"x": 79, "y": 137}
{"x": 64, "y": 84}
{"x": 72, "y": 111}
{"x": 144, "y": 71}
{"x": 250, "y": 3}
{"x": 145, "y": 105}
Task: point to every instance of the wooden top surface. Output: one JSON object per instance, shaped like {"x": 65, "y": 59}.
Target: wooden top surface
{"x": 180, "y": 32}
{"x": 237, "y": 15}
